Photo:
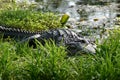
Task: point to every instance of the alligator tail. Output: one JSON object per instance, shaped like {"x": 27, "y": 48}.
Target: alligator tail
{"x": 15, "y": 33}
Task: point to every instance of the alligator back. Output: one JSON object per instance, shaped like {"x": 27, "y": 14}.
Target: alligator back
{"x": 64, "y": 35}
{"x": 15, "y": 33}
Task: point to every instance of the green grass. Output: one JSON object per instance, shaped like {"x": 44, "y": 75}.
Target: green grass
{"x": 29, "y": 20}
{"x": 49, "y": 62}
{"x": 25, "y": 16}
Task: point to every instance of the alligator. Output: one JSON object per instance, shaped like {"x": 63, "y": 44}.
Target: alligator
{"x": 65, "y": 37}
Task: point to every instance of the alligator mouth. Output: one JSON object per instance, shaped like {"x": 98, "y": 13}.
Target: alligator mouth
{"x": 80, "y": 48}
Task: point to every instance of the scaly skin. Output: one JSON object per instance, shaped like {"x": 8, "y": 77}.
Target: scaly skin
{"x": 16, "y": 33}
{"x": 64, "y": 37}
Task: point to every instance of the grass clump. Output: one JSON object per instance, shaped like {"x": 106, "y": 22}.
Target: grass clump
{"x": 109, "y": 55}
{"x": 49, "y": 62}
{"x": 29, "y": 20}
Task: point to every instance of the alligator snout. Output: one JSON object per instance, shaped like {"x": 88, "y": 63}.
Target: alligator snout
{"x": 79, "y": 48}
